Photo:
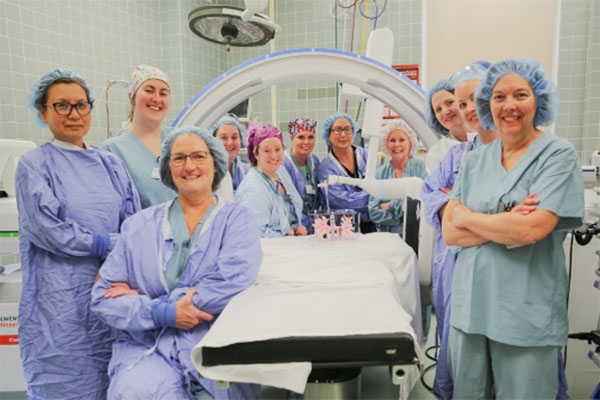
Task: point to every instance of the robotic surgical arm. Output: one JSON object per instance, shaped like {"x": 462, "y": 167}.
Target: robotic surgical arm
{"x": 387, "y": 189}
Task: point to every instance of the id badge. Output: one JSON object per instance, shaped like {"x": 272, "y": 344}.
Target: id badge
{"x": 309, "y": 189}
{"x": 155, "y": 174}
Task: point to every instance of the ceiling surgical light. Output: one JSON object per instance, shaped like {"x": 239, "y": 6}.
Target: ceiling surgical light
{"x": 225, "y": 25}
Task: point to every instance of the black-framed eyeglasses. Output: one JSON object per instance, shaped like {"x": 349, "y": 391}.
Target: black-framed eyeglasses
{"x": 198, "y": 158}
{"x": 82, "y": 108}
{"x": 347, "y": 130}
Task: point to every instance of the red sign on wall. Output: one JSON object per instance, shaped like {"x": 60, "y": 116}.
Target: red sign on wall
{"x": 411, "y": 71}
{"x": 9, "y": 340}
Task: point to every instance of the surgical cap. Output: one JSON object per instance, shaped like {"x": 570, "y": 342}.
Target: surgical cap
{"x": 474, "y": 71}
{"x": 301, "y": 125}
{"x": 330, "y": 120}
{"x": 229, "y": 120}
{"x": 143, "y": 73}
{"x": 256, "y": 134}
{"x": 399, "y": 124}
{"x": 39, "y": 88}
{"x": 215, "y": 147}
{"x": 430, "y": 118}
{"x": 545, "y": 91}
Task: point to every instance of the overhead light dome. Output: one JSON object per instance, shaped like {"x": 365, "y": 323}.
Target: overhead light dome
{"x": 224, "y": 25}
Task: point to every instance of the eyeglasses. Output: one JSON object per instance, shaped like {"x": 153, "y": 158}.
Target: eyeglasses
{"x": 66, "y": 108}
{"x": 348, "y": 131}
{"x": 198, "y": 158}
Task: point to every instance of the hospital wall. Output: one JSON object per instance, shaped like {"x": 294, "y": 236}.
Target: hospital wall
{"x": 101, "y": 40}
{"x": 460, "y": 32}
{"x": 105, "y": 40}
{"x": 579, "y": 75}
{"x": 564, "y": 35}
{"x": 311, "y": 23}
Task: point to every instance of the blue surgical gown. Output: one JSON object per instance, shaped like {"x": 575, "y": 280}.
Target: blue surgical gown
{"x": 150, "y": 361}
{"x": 305, "y": 181}
{"x": 345, "y": 196}
{"x": 270, "y": 207}
{"x": 392, "y": 220}
{"x": 239, "y": 169}
{"x": 142, "y": 165}
{"x": 443, "y": 259}
{"x": 518, "y": 296}
{"x": 66, "y": 200}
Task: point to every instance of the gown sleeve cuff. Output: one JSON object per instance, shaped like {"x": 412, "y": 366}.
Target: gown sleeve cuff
{"x": 100, "y": 245}
{"x": 163, "y": 313}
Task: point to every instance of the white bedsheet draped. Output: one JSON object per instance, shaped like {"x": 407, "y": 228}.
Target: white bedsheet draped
{"x": 307, "y": 287}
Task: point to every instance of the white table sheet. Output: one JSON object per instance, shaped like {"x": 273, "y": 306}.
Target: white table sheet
{"x": 306, "y": 287}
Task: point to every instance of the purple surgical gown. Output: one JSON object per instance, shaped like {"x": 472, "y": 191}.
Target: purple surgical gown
{"x": 151, "y": 361}
{"x": 68, "y": 201}
{"x": 345, "y": 196}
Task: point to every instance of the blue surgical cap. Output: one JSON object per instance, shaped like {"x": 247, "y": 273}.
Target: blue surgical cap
{"x": 430, "y": 118}
{"x": 37, "y": 90}
{"x": 215, "y": 146}
{"x": 330, "y": 120}
{"x": 545, "y": 91}
{"x": 474, "y": 71}
{"x": 229, "y": 120}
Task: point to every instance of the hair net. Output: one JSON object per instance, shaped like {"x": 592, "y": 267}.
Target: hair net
{"x": 301, "y": 124}
{"x": 474, "y": 71}
{"x": 399, "y": 124}
{"x": 256, "y": 134}
{"x": 229, "y": 119}
{"x": 215, "y": 146}
{"x": 40, "y": 87}
{"x": 330, "y": 120}
{"x": 143, "y": 73}
{"x": 545, "y": 91}
{"x": 430, "y": 118}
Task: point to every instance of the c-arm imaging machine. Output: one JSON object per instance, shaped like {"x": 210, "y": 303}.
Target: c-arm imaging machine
{"x": 384, "y": 85}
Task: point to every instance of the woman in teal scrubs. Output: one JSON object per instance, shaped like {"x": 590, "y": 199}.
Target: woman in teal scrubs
{"x": 400, "y": 145}
{"x": 509, "y": 314}
{"x": 138, "y": 145}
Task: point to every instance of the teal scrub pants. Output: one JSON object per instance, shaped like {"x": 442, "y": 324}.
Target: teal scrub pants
{"x": 480, "y": 366}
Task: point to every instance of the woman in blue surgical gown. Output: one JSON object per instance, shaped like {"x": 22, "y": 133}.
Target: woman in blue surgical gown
{"x": 268, "y": 189}
{"x": 442, "y": 115}
{"x": 435, "y": 197}
{"x": 344, "y": 159}
{"x": 72, "y": 199}
{"x": 174, "y": 268}
{"x": 509, "y": 316}
{"x": 400, "y": 143}
{"x": 138, "y": 145}
{"x": 229, "y": 130}
{"x": 301, "y": 163}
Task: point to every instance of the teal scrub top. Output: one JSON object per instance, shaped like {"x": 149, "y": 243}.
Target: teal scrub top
{"x": 142, "y": 165}
{"x": 393, "y": 219}
{"x": 517, "y": 296}
{"x": 308, "y": 176}
{"x": 183, "y": 242}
